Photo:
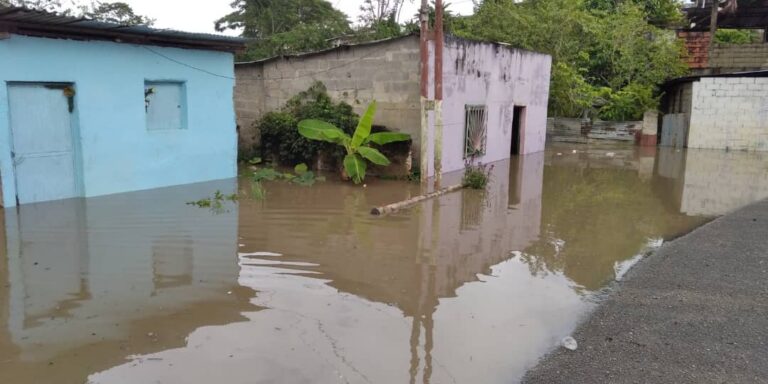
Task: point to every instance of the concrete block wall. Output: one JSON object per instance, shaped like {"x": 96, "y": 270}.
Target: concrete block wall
{"x": 387, "y": 72}
{"x": 729, "y": 113}
{"x": 741, "y": 57}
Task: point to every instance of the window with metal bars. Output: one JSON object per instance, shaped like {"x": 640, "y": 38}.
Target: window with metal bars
{"x": 475, "y": 130}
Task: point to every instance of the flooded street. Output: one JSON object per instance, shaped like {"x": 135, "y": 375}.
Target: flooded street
{"x": 307, "y": 287}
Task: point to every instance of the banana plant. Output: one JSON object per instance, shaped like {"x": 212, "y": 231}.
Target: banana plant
{"x": 357, "y": 146}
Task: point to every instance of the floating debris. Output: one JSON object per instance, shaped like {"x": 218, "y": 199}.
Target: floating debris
{"x": 569, "y": 343}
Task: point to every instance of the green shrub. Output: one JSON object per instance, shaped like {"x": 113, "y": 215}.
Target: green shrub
{"x": 280, "y": 139}
{"x": 736, "y": 36}
{"x": 476, "y": 176}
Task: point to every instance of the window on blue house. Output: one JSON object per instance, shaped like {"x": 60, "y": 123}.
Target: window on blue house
{"x": 165, "y": 105}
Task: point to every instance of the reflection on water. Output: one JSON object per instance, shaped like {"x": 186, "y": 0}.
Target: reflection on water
{"x": 306, "y": 286}
{"x": 88, "y": 282}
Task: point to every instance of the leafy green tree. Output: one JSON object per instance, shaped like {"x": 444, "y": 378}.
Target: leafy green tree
{"x": 118, "y": 13}
{"x": 657, "y": 12}
{"x": 611, "y": 60}
{"x": 285, "y": 26}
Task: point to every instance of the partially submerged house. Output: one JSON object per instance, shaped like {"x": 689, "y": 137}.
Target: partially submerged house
{"x": 494, "y": 97}
{"x": 725, "y": 111}
{"x": 90, "y": 108}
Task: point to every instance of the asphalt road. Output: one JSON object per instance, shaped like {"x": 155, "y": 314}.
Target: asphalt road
{"x": 696, "y": 311}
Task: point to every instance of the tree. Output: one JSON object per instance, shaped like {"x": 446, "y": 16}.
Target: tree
{"x": 284, "y": 26}
{"x": 609, "y": 60}
{"x": 657, "y": 12}
{"x": 376, "y": 11}
{"x": 118, "y": 13}
{"x": 43, "y": 5}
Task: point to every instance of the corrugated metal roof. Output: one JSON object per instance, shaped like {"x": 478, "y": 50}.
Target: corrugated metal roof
{"x": 326, "y": 50}
{"x": 39, "y": 23}
{"x": 686, "y": 79}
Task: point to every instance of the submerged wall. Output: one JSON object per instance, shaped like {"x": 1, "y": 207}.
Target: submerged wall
{"x": 729, "y": 113}
{"x": 117, "y": 151}
{"x": 499, "y": 77}
{"x": 387, "y": 72}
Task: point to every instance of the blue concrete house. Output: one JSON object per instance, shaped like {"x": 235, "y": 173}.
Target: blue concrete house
{"x": 90, "y": 108}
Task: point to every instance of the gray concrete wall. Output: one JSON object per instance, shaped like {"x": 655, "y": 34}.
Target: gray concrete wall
{"x": 387, "y": 72}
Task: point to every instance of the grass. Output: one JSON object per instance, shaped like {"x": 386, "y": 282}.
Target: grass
{"x": 476, "y": 176}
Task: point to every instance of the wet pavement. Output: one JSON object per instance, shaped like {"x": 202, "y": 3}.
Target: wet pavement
{"x": 693, "y": 312}
{"x": 306, "y": 286}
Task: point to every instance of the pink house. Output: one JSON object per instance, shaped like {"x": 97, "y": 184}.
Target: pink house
{"x": 493, "y": 104}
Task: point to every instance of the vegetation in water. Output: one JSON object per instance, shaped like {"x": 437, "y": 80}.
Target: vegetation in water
{"x": 281, "y": 142}
{"x": 476, "y": 176}
{"x": 301, "y": 175}
{"x": 258, "y": 191}
{"x": 358, "y": 146}
{"x": 216, "y": 202}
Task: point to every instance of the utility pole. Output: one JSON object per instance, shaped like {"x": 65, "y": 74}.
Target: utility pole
{"x": 713, "y": 25}
{"x": 424, "y": 51}
{"x": 439, "y": 42}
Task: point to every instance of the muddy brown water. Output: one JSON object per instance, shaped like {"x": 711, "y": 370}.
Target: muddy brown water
{"x": 307, "y": 287}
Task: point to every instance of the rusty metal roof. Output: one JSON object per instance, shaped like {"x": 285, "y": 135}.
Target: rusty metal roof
{"x": 23, "y": 21}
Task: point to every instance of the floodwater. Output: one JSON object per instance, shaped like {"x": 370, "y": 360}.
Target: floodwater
{"x": 307, "y": 287}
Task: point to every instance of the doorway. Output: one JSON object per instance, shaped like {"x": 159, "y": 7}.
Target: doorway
{"x": 518, "y": 126}
{"x": 43, "y": 141}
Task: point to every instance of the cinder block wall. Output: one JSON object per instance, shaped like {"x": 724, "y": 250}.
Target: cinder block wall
{"x": 387, "y": 72}
{"x": 742, "y": 57}
{"x": 729, "y": 113}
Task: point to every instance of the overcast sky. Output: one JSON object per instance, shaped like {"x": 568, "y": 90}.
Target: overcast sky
{"x": 199, "y": 15}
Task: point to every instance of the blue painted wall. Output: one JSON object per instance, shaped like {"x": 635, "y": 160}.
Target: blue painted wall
{"x": 117, "y": 152}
